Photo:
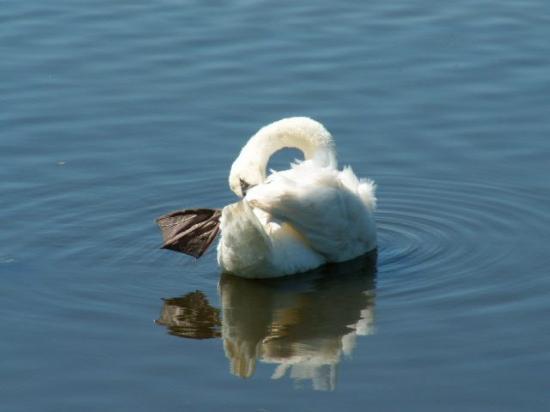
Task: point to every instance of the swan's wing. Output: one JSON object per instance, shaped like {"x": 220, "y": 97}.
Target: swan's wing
{"x": 318, "y": 204}
{"x": 190, "y": 231}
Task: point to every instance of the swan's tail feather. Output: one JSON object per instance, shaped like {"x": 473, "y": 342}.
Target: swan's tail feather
{"x": 365, "y": 188}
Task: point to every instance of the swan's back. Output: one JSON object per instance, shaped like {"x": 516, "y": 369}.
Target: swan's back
{"x": 331, "y": 209}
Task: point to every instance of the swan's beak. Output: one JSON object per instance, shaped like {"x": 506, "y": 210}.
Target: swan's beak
{"x": 244, "y": 186}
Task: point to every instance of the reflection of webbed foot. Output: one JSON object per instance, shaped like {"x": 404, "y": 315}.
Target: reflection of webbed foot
{"x": 191, "y": 316}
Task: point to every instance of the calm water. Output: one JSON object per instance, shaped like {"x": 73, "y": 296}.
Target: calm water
{"x": 113, "y": 113}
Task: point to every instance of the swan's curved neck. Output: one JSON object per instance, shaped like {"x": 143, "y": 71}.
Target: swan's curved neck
{"x": 302, "y": 133}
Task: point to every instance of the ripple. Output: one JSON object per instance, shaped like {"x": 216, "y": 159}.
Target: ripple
{"x": 424, "y": 225}
{"x": 433, "y": 232}
{"x": 104, "y": 220}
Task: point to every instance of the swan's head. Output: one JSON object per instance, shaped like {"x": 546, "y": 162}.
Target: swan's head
{"x": 245, "y": 173}
{"x": 302, "y": 133}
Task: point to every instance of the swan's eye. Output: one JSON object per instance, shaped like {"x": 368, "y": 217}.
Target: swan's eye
{"x": 244, "y": 186}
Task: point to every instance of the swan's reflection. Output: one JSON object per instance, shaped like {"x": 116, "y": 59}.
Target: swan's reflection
{"x": 304, "y": 324}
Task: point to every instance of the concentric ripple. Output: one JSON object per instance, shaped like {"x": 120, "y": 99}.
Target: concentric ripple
{"x": 423, "y": 224}
{"x": 104, "y": 221}
{"x": 451, "y": 229}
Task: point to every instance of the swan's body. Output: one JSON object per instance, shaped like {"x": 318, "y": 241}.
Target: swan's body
{"x": 298, "y": 219}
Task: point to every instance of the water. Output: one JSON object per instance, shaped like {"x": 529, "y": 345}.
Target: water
{"x": 113, "y": 113}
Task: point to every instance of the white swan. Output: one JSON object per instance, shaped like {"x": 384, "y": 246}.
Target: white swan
{"x": 298, "y": 219}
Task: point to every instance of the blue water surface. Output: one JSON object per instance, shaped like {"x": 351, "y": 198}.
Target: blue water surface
{"x": 113, "y": 113}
